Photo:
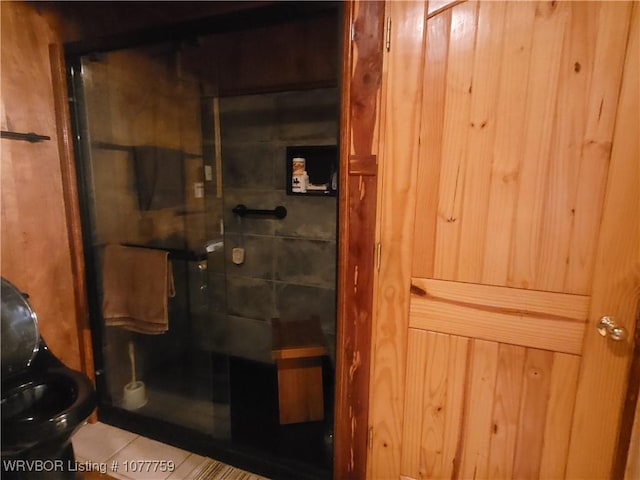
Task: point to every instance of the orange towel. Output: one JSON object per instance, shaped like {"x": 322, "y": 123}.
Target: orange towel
{"x": 136, "y": 284}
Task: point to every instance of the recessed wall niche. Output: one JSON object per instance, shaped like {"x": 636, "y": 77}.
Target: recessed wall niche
{"x": 312, "y": 170}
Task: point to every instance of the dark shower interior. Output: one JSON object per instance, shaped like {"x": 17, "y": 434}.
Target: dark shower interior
{"x": 174, "y": 135}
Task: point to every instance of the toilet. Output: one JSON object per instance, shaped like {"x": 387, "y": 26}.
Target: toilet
{"x": 43, "y": 401}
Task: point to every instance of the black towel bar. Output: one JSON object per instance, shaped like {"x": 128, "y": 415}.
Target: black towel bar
{"x": 242, "y": 210}
{"x": 28, "y": 137}
{"x": 174, "y": 253}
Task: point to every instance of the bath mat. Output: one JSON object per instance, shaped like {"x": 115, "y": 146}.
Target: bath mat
{"x": 213, "y": 470}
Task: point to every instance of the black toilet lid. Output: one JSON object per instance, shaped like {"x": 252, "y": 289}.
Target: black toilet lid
{"x": 20, "y": 336}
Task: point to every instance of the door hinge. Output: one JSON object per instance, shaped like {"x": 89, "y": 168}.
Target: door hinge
{"x": 378, "y": 255}
{"x": 370, "y": 438}
{"x": 387, "y": 35}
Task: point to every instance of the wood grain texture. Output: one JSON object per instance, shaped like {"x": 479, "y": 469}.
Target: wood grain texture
{"x": 300, "y": 397}
{"x": 533, "y": 409}
{"x": 565, "y": 147}
{"x": 562, "y": 394}
{"x": 94, "y": 20}
{"x": 399, "y": 154}
{"x": 511, "y": 210}
{"x": 459, "y": 87}
{"x": 603, "y": 103}
{"x": 616, "y": 281}
{"x": 480, "y": 141}
{"x": 510, "y": 131}
{"x": 481, "y": 384}
{"x": 514, "y": 301}
{"x": 506, "y": 411}
{"x": 305, "y": 51}
{"x": 520, "y": 160}
{"x": 363, "y": 165}
{"x": 500, "y": 314}
{"x": 361, "y": 83}
{"x": 433, "y": 96}
{"x": 240, "y": 58}
{"x": 546, "y": 50}
{"x": 35, "y": 251}
{"x": 436, "y": 374}
{"x": 479, "y": 409}
{"x": 419, "y": 374}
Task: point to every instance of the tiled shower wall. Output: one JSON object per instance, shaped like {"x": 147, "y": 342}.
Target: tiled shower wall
{"x": 289, "y": 270}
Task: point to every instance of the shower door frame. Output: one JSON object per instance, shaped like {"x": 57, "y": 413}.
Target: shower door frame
{"x": 360, "y": 83}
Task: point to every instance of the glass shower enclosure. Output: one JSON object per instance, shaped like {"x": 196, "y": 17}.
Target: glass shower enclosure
{"x": 164, "y": 166}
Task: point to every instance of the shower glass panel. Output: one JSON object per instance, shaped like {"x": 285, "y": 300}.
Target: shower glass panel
{"x": 245, "y": 362}
{"x": 142, "y": 166}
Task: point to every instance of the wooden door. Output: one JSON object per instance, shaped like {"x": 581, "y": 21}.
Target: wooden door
{"x": 509, "y": 225}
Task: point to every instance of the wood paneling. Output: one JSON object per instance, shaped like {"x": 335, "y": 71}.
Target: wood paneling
{"x": 562, "y": 393}
{"x": 249, "y": 47}
{"x": 617, "y": 283}
{"x": 36, "y": 254}
{"x": 529, "y": 318}
{"x": 361, "y": 81}
{"x": 474, "y": 443}
{"x": 286, "y": 56}
{"x": 81, "y": 20}
{"x": 533, "y": 410}
{"x": 433, "y": 95}
{"x": 478, "y": 409}
{"x": 506, "y": 410}
{"x": 436, "y": 374}
{"x": 519, "y": 90}
{"x": 478, "y": 371}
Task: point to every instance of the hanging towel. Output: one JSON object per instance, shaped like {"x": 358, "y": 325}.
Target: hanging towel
{"x": 159, "y": 176}
{"x": 136, "y": 284}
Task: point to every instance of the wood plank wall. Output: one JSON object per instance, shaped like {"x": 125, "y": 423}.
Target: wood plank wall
{"x": 301, "y": 53}
{"x": 280, "y": 57}
{"x": 35, "y": 251}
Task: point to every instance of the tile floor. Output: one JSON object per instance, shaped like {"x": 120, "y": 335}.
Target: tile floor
{"x": 99, "y": 446}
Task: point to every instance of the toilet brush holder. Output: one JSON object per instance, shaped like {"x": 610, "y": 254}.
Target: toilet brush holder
{"x": 135, "y": 393}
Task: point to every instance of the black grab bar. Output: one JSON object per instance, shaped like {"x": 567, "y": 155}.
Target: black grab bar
{"x": 242, "y": 210}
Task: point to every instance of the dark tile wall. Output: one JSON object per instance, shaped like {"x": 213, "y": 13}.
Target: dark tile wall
{"x": 289, "y": 270}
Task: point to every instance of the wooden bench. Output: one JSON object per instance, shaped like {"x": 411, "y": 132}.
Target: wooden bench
{"x": 297, "y": 348}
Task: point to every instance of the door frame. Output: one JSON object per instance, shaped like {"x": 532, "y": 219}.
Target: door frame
{"x": 361, "y": 84}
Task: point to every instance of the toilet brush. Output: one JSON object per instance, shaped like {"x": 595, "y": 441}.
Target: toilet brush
{"x": 132, "y": 360}
{"x": 135, "y": 395}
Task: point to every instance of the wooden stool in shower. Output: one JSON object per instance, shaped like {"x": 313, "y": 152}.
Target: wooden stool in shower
{"x": 297, "y": 348}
